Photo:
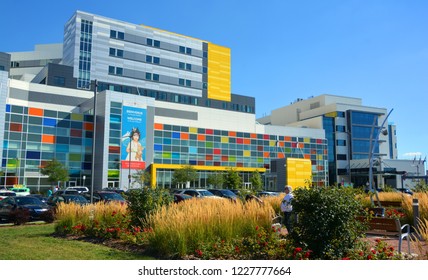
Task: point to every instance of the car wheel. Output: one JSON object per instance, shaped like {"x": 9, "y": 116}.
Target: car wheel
{"x": 20, "y": 216}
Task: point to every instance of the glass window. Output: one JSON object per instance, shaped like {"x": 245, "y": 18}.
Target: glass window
{"x": 112, "y": 52}
{"x": 149, "y": 58}
{"x": 181, "y": 65}
{"x": 182, "y": 49}
{"x": 155, "y": 77}
{"x": 148, "y": 76}
{"x": 156, "y": 60}
{"x": 120, "y": 53}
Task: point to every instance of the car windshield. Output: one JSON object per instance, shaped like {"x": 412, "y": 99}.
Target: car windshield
{"x": 76, "y": 198}
{"x": 205, "y": 193}
{"x": 227, "y": 193}
{"x": 7, "y": 194}
{"x": 27, "y": 200}
{"x": 112, "y": 196}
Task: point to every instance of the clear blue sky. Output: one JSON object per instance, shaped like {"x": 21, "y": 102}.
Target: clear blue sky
{"x": 282, "y": 50}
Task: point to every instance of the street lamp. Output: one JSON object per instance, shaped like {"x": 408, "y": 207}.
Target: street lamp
{"x": 371, "y": 153}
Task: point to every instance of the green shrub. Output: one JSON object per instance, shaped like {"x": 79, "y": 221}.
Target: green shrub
{"x": 327, "y": 222}
{"x": 144, "y": 201}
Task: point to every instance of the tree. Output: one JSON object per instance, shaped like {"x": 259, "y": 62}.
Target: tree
{"x": 184, "y": 175}
{"x": 256, "y": 181}
{"x": 216, "y": 180}
{"x": 55, "y": 171}
{"x": 142, "y": 177}
{"x": 232, "y": 180}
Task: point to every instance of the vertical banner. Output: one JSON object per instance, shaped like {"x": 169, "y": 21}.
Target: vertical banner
{"x": 133, "y": 138}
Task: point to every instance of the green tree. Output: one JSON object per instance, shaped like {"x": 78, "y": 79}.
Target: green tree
{"x": 142, "y": 177}
{"x": 216, "y": 179}
{"x": 185, "y": 174}
{"x": 327, "y": 222}
{"x": 256, "y": 181}
{"x": 55, "y": 171}
{"x": 232, "y": 180}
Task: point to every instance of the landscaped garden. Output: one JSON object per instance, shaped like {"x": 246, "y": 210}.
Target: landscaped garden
{"x": 327, "y": 227}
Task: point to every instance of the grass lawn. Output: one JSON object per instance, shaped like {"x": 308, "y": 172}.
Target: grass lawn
{"x": 35, "y": 242}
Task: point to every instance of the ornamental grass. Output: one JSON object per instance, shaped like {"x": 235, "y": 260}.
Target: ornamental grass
{"x": 70, "y": 215}
{"x": 180, "y": 228}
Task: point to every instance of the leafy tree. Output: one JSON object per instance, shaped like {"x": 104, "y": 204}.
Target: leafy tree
{"x": 327, "y": 222}
{"x": 142, "y": 202}
{"x": 256, "y": 181}
{"x": 55, "y": 171}
{"x": 184, "y": 175}
{"x": 142, "y": 177}
{"x": 232, "y": 180}
{"x": 216, "y": 179}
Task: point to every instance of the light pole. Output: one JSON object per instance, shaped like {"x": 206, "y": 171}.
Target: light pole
{"x": 93, "y": 142}
{"x": 371, "y": 153}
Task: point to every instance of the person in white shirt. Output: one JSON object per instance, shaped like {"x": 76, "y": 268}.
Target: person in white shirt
{"x": 287, "y": 208}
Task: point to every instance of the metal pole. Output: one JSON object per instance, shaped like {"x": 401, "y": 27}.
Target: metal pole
{"x": 372, "y": 147}
{"x": 129, "y": 164}
{"x": 93, "y": 142}
{"x": 415, "y": 206}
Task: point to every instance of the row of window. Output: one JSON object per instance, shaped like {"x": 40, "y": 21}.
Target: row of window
{"x": 119, "y": 35}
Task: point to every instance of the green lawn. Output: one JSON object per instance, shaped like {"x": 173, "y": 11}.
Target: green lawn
{"x": 35, "y": 242}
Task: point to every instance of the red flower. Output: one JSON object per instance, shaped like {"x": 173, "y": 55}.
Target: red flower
{"x": 361, "y": 253}
{"x": 346, "y": 258}
{"x": 257, "y": 227}
{"x": 199, "y": 253}
{"x": 236, "y": 249}
{"x": 113, "y": 213}
{"x": 369, "y": 257}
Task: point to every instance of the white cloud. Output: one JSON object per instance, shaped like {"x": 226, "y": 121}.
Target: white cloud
{"x": 412, "y": 155}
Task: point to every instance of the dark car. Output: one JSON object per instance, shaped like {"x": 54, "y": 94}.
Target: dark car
{"x": 405, "y": 190}
{"x": 67, "y": 198}
{"x": 21, "y": 209}
{"x": 105, "y": 196}
{"x": 224, "y": 193}
{"x": 66, "y": 191}
{"x": 181, "y": 197}
{"x": 44, "y": 199}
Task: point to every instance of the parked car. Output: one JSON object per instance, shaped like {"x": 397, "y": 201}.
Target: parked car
{"x": 105, "y": 196}
{"x": 6, "y": 193}
{"x": 181, "y": 197}
{"x": 267, "y": 193}
{"x": 20, "y": 209}
{"x": 44, "y": 199}
{"x": 201, "y": 193}
{"x": 21, "y": 191}
{"x": 67, "y": 198}
{"x": 405, "y": 190}
{"x": 79, "y": 189}
{"x": 66, "y": 191}
{"x": 224, "y": 193}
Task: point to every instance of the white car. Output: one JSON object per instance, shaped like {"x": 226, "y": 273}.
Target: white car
{"x": 6, "y": 193}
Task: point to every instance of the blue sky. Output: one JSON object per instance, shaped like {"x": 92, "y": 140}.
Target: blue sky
{"x": 282, "y": 50}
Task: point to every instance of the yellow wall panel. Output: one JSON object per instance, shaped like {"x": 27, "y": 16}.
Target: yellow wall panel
{"x": 219, "y": 73}
{"x": 299, "y": 171}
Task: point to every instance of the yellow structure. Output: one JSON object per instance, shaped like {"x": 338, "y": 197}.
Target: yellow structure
{"x": 298, "y": 172}
{"x": 219, "y": 84}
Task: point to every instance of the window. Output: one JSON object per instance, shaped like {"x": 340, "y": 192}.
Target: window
{"x": 341, "y": 157}
{"x": 59, "y": 81}
{"x": 156, "y": 60}
{"x": 153, "y": 43}
{"x": 181, "y": 82}
{"x": 148, "y": 76}
{"x": 341, "y": 142}
{"x": 149, "y": 58}
{"x": 116, "y": 52}
{"x": 340, "y": 128}
{"x": 117, "y": 35}
{"x": 155, "y": 77}
{"x": 115, "y": 70}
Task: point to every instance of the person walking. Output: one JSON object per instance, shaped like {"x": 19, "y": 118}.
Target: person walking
{"x": 287, "y": 208}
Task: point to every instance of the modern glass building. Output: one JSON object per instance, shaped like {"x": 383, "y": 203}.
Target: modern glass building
{"x": 163, "y": 100}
